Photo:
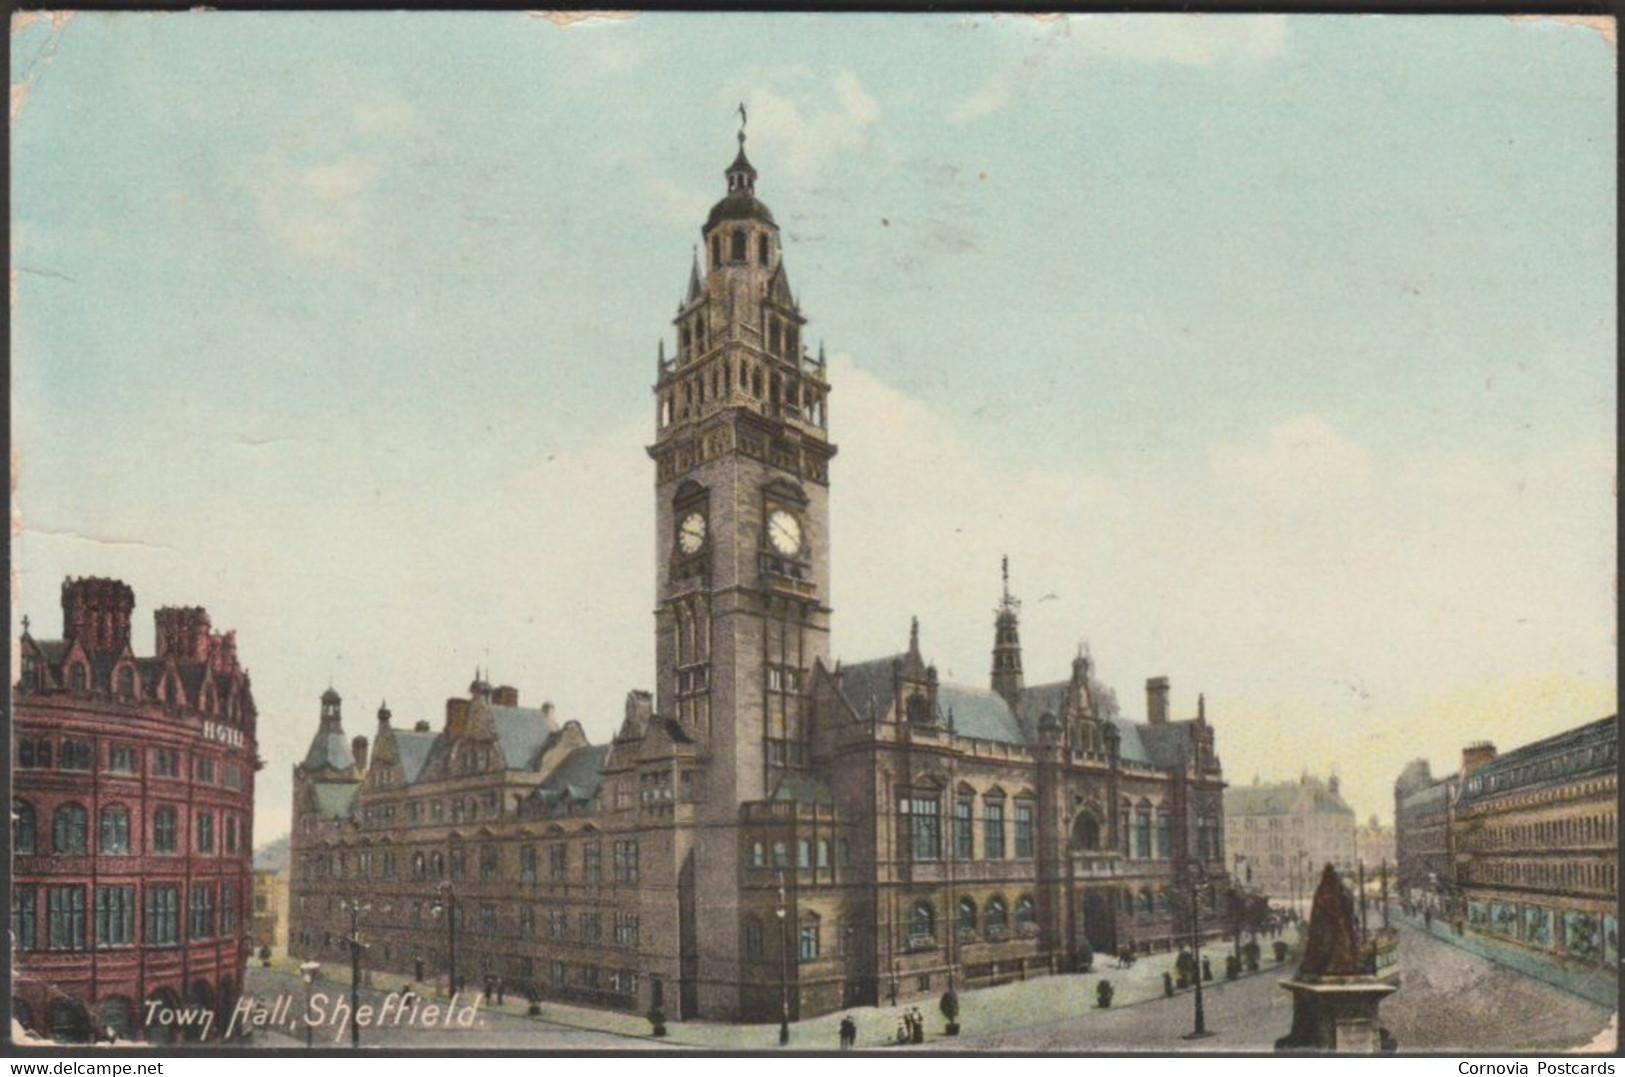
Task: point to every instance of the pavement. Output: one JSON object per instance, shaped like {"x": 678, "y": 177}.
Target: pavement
{"x": 1598, "y": 985}
{"x": 1451, "y": 1000}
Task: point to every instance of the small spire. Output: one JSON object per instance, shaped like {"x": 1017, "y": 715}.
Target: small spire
{"x": 1201, "y": 707}
{"x": 743, "y": 119}
{"x": 913, "y": 635}
{"x": 25, "y": 624}
{"x": 694, "y": 277}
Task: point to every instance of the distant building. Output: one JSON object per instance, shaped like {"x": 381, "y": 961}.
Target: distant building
{"x": 1535, "y": 843}
{"x": 1280, "y": 835}
{"x": 1422, "y": 805}
{"x": 1374, "y": 847}
{"x": 271, "y": 895}
{"x": 132, "y": 819}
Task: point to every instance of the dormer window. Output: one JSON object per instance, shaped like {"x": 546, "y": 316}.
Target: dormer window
{"x": 737, "y": 250}
{"x": 76, "y": 679}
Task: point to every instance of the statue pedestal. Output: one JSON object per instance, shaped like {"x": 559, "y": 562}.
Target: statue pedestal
{"x": 1337, "y": 1014}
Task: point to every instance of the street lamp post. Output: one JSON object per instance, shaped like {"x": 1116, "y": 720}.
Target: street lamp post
{"x": 1198, "y": 881}
{"x": 447, "y": 906}
{"x": 356, "y": 907}
{"x": 784, "y": 966}
{"x": 307, "y": 973}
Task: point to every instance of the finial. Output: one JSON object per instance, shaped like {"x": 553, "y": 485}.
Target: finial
{"x": 743, "y": 118}
{"x": 1005, "y": 569}
{"x": 1201, "y": 706}
{"x": 914, "y": 635}
{"x": 25, "y": 624}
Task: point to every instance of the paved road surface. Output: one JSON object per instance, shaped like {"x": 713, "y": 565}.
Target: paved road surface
{"x": 1449, "y": 1001}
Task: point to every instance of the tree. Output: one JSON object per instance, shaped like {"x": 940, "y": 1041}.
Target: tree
{"x": 950, "y": 1010}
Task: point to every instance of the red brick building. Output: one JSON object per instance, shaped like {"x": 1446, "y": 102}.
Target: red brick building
{"x": 132, "y": 822}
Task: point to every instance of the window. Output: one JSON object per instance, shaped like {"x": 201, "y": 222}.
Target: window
{"x": 166, "y": 763}
{"x": 1026, "y": 912}
{"x": 234, "y": 780}
{"x": 626, "y": 929}
{"x": 69, "y": 828}
{"x": 592, "y": 862}
{"x": 1142, "y": 833}
{"x": 592, "y": 927}
{"x": 922, "y": 923}
{"x": 115, "y": 915}
{"x": 76, "y": 679}
{"x": 781, "y": 855}
{"x": 121, "y": 759}
{"x": 66, "y": 909}
{"x": 967, "y": 916}
{"x": 843, "y": 853}
{"x": 925, "y": 829}
{"x": 736, "y": 249}
{"x": 488, "y": 918}
{"x": 803, "y": 854}
{"x": 76, "y": 755}
{"x": 204, "y": 767}
{"x": 995, "y": 918}
{"x": 807, "y": 940}
{"x": 758, "y": 855}
{"x": 964, "y": 840}
{"x": 115, "y": 831}
{"x": 626, "y": 862}
{"x": 823, "y": 855}
{"x": 488, "y": 863}
{"x": 23, "y": 928}
{"x": 163, "y": 915}
{"x": 1024, "y": 831}
{"x": 761, "y": 249}
{"x": 527, "y": 864}
{"x": 205, "y": 831}
{"x": 716, "y": 250}
{"x": 753, "y": 937}
{"x": 126, "y": 684}
{"x": 24, "y": 828}
{"x": 558, "y": 862}
{"x": 34, "y": 753}
{"x": 1165, "y": 840}
{"x": 993, "y": 830}
{"x": 163, "y": 830}
{"x": 231, "y": 834}
{"x": 200, "y": 911}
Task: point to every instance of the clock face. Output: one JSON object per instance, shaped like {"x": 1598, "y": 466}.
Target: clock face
{"x": 784, "y": 532}
{"x": 691, "y": 533}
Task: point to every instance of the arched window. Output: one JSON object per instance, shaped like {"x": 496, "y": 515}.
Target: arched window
{"x": 438, "y": 863}
{"x": 76, "y": 678}
{"x": 967, "y": 915}
{"x": 1026, "y": 911}
{"x": 781, "y": 855}
{"x": 417, "y": 865}
{"x": 1142, "y": 832}
{"x": 753, "y": 937}
{"x": 1164, "y": 900}
{"x": 823, "y": 854}
{"x": 126, "y": 684}
{"x": 995, "y": 917}
{"x": 758, "y": 855}
{"x": 115, "y": 831}
{"x": 736, "y": 250}
{"x": 69, "y": 830}
{"x": 1145, "y": 902}
{"x": 922, "y": 922}
{"x": 24, "y": 828}
{"x": 761, "y": 249}
{"x": 803, "y": 854}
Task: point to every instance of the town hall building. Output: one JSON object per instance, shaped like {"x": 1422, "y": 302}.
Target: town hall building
{"x": 771, "y": 831}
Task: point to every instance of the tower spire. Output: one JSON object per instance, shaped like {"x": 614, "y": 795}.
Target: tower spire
{"x": 1007, "y": 677}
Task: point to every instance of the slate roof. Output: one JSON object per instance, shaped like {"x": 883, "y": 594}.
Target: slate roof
{"x": 1566, "y": 756}
{"x": 1130, "y": 745}
{"x": 414, "y": 749}
{"x": 803, "y": 789}
{"x": 867, "y": 686}
{"x": 273, "y": 856}
{"x": 577, "y": 777}
{"x": 1282, "y": 798}
{"x": 739, "y": 206}
{"x": 521, "y": 734}
{"x": 979, "y": 714}
{"x": 334, "y": 799}
{"x": 329, "y": 749}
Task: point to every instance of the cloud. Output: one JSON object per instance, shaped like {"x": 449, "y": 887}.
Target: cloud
{"x": 1179, "y": 39}
{"x": 808, "y": 122}
{"x": 316, "y": 212}
{"x": 1302, "y": 453}
{"x": 678, "y": 204}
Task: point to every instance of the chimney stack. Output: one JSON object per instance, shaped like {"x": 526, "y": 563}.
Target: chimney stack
{"x": 1156, "y": 700}
{"x": 1476, "y": 755}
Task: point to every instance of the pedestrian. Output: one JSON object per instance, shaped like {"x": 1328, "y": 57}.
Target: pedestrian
{"x": 1167, "y": 985}
{"x": 1207, "y": 969}
{"x": 904, "y": 1033}
{"x": 919, "y": 1026}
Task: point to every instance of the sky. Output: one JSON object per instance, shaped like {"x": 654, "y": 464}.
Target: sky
{"x": 1278, "y": 353}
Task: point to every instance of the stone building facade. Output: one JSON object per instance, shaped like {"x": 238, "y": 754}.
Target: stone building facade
{"x": 1375, "y": 848}
{"x": 132, "y": 820}
{"x": 771, "y": 830}
{"x": 1422, "y": 807}
{"x": 1283, "y": 834}
{"x": 1535, "y": 844}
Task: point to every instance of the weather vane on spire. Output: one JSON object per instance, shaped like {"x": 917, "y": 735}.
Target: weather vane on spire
{"x": 743, "y": 119}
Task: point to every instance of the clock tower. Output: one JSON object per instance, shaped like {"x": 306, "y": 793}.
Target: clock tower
{"x": 742, "y": 481}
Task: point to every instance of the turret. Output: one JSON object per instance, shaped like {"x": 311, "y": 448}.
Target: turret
{"x": 96, "y": 613}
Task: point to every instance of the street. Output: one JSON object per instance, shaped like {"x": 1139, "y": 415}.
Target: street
{"x": 1451, "y": 1000}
